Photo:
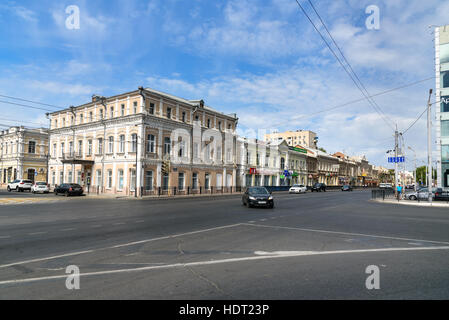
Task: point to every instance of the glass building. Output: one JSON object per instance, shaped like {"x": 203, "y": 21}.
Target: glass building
{"x": 442, "y": 112}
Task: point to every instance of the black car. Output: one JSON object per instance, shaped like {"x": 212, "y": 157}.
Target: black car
{"x": 257, "y": 197}
{"x": 346, "y": 188}
{"x": 318, "y": 187}
{"x": 441, "y": 195}
{"x": 69, "y": 189}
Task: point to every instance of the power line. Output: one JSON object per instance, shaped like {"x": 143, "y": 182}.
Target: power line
{"x": 347, "y": 62}
{"x": 21, "y": 121}
{"x": 341, "y": 63}
{"x": 419, "y": 117}
{"x": 25, "y": 106}
{"x": 21, "y": 99}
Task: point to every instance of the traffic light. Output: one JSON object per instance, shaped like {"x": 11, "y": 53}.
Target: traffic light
{"x": 165, "y": 167}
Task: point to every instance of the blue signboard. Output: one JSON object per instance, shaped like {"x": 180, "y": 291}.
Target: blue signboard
{"x": 396, "y": 159}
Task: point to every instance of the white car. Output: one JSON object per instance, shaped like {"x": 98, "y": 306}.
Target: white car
{"x": 40, "y": 187}
{"x": 20, "y": 185}
{"x": 298, "y": 188}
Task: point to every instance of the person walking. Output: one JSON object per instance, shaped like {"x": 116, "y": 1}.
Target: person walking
{"x": 399, "y": 189}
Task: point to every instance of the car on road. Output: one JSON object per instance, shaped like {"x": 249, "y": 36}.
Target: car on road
{"x": 69, "y": 189}
{"x": 385, "y": 185}
{"x": 318, "y": 187}
{"x": 298, "y": 188}
{"x": 20, "y": 185}
{"x": 346, "y": 188}
{"x": 40, "y": 187}
{"x": 441, "y": 195}
{"x": 421, "y": 194}
{"x": 257, "y": 197}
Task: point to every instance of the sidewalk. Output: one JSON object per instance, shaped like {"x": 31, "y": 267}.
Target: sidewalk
{"x": 436, "y": 204}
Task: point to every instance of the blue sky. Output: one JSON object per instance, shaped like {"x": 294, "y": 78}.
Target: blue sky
{"x": 260, "y": 59}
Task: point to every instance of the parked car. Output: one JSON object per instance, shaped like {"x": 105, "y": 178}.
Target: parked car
{"x": 441, "y": 195}
{"x": 40, "y": 187}
{"x": 20, "y": 185}
{"x": 318, "y": 187}
{"x": 257, "y": 197}
{"x": 421, "y": 194}
{"x": 69, "y": 189}
{"x": 298, "y": 188}
{"x": 385, "y": 185}
{"x": 410, "y": 186}
{"x": 346, "y": 188}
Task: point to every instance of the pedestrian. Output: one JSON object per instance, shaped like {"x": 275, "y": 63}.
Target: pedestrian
{"x": 399, "y": 189}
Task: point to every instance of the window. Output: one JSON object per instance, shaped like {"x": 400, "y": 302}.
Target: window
{"x": 98, "y": 182}
{"x": 101, "y": 114}
{"x": 56, "y": 123}
{"x": 80, "y": 148}
{"x": 112, "y": 112}
{"x": 135, "y": 107}
{"x": 445, "y": 153}
{"x": 111, "y": 145}
{"x": 207, "y": 181}
{"x": 151, "y": 108}
{"x": 71, "y": 148}
{"x": 282, "y": 163}
{"x": 100, "y": 146}
{"x": 89, "y": 147}
{"x": 195, "y": 181}
{"x": 183, "y": 117}
{"x": 149, "y": 180}
{"x": 208, "y": 123}
{"x": 444, "y": 53}
{"x": 229, "y": 126}
{"x": 122, "y": 110}
{"x": 78, "y": 177}
{"x": 134, "y": 142}
{"x": 445, "y": 104}
{"x": 120, "y": 180}
{"x": 181, "y": 181}
{"x": 63, "y": 122}
{"x": 150, "y": 143}
{"x": 165, "y": 181}
{"x": 445, "y": 128}
{"x": 81, "y": 118}
{"x": 219, "y": 125}
{"x": 62, "y": 149}
{"x": 121, "y": 148}
{"x": 61, "y": 177}
{"x": 54, "y": 150}
{"x": 70, "y": 176}
{"x": 195, "y": 150}
{"x": 181, "y": 147}
{"x": 133, "y": 185}
{"x": 109, "y": 179}
{"x": 53, "y": 178}
{"x": 167, "y": 145}
{"x": 32, "y": 147}
{"x": 91, "y": 116}
{"x": 169, "y": 113}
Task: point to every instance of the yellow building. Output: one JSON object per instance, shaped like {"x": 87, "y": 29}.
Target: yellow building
{"x": 303, "y": 138}
{"x": 23, "y": 154}
{"x": 146, "y": 140}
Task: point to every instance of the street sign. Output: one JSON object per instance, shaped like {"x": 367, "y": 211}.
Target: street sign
{"x": 396, "y": 159}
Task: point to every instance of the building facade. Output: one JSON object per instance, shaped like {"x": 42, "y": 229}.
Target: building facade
{"x": 23, "y": 154}
{"x": 442, "y": 109}
{"x": 304, "y": 138}
{"x": 143, "y": 142}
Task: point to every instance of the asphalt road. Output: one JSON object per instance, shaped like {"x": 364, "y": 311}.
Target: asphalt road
{"x": 310, "y": 246}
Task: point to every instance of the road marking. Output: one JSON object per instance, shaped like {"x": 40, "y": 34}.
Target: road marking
{"x": 5, "y": 237}
{"x": 70, "y": 229}
{"x": 118, "y": 224}
{"x": 261, "y": 255}
{"x": 118, "y": 246}
{"x": 140, "y": 221}
{"x": 346, "y": 233}
{"x": 97, "y": 226}
{"x": 36, "y": 233}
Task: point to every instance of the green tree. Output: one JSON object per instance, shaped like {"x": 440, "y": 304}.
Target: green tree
{"x": 322, "y": 149}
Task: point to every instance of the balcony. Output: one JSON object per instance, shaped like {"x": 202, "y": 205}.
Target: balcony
{"x": 75, "y": 158}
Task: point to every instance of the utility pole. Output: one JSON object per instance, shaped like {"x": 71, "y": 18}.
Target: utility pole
{"x": 396, "y": 135}
{"x": 429, "y": 146}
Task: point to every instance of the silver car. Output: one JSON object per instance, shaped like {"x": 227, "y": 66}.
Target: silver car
{"x": 421, "y": 194}
{"x": 40, "y": 187}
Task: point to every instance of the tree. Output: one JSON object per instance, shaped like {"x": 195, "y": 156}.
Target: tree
{"x": 421, "y": 174}
{"x": 322, "y": 149}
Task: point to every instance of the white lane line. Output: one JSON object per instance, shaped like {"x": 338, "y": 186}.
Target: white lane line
{"x": 261, "y": 255}
{"x": 118, "y": 246}
{"x": 140, "y": 221}
{"x": 69, "y": 229}
{"x": 118, "y": 224}
{"x": 5, "y": 237}
{"x": 346, "y": 233}
{"x": 36, "y": 233}
{"x": 97, "y": 226}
